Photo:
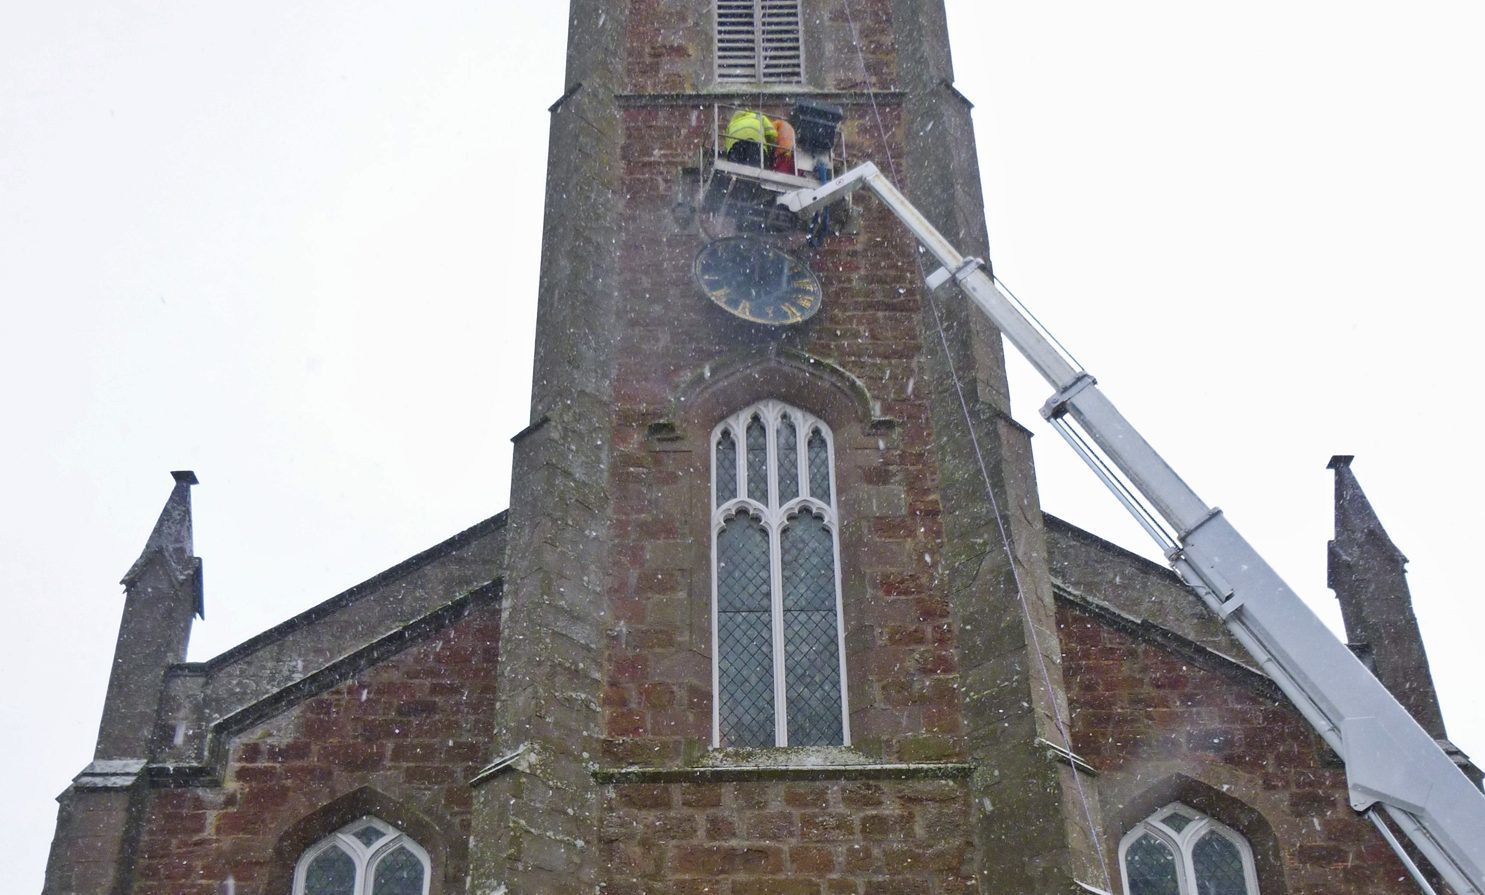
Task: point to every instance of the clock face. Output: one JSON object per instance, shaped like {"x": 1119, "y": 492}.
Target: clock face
{"x": 757, "y": 282}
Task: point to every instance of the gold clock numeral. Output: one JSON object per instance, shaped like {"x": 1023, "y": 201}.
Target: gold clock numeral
{"x": 807, "y": 301}
{"x": 744, "y": 309}
{"x": 794, "y": 315}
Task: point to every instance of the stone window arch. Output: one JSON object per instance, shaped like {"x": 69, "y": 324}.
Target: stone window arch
{"x": 365, "y": 857}
{"x": 1180, "y": 851}
{"x": 778, "y": 666}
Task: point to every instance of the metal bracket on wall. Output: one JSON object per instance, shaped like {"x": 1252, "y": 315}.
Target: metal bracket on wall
{"x": 517, "y": 759}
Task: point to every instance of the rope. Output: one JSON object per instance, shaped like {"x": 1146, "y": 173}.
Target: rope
{"x": 1005, "y": 538}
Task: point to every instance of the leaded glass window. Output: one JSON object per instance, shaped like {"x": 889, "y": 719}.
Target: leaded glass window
{"x": 778, "y": 664}
{"x": 1150, "y": 867}
{"x": 1180, "y": 851}
{"x": 368, "y": 857}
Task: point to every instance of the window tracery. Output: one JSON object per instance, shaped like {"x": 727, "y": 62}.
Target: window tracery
{"x": 778, "y": 655}
{"x": 1180, "y": 851}
{"x": 367, "y": 857}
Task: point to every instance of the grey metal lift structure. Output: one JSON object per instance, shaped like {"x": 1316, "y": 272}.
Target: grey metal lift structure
{"x": 1390, "y": 760}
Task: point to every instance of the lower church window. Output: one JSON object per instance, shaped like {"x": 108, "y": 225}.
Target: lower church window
{"x": 368, "y": 857}
{"x": 778, "y": 666}
{"x": 1180, "y": 851}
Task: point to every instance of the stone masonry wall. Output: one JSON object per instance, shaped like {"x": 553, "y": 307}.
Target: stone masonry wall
{"x": 687, "y": 362}
{"x": 683, "y": 365}
{"x": 1154, "y": 721}
{"x": 795, "y": 838}
{"x": 413, "y": 728}
{"x": 660, "y": 582}
{"x": 869, "y": 364}
{"x": 846, "y": 45}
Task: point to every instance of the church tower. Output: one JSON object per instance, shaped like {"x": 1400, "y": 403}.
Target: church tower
{"x": 777, "y": 605}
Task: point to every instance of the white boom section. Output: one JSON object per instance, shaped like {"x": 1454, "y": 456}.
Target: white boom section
{"x": 1389, "y": 758}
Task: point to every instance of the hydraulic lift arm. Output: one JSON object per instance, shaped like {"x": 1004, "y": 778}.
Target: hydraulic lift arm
{"x": 1390, "y": 760}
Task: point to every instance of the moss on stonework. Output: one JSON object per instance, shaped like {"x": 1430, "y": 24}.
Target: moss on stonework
{"x": 794, "y": 763}
{"x": 926, "y": 748}
{"x": 783, "y": 756}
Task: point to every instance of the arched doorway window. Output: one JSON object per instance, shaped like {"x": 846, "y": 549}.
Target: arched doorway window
{"x": 367, "y": 857}
{"x": 778, "y": 661}
{"x": 1180, "y": 851}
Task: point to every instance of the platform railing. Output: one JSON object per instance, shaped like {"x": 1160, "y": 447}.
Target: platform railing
{"x": 804, "y": 171}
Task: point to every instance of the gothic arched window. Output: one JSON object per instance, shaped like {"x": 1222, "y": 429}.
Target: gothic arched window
{"x": 368, "y": 857}
{"x": 776, "y": 580}
{"x": 1180, "y": 851}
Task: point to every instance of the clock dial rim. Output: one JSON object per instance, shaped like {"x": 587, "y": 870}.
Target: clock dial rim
{"x": 780, "y": 298}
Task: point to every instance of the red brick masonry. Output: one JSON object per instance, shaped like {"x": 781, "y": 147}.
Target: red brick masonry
{"x": 414, "y": 727}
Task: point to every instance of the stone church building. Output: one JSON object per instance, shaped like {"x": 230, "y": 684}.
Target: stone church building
{"x": 774, "y": 608}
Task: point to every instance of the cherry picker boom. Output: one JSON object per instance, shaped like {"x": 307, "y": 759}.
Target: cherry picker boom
{"x": 1390, "y": 760}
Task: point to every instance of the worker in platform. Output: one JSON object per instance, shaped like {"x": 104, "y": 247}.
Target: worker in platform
{"x": 748, "y": 138}
{"x": 783, "y": 148}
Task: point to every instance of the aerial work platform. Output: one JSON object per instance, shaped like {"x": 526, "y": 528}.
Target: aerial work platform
{"x": 742, "y": 195}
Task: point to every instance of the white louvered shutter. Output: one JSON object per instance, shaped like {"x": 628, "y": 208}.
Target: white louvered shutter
{"x": 778, "y": 28}
{"x": 758, "y": 42}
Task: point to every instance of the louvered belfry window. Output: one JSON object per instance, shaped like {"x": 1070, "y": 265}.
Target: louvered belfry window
{"x": 758, "y": 42}
{"x": 778, "y": 664}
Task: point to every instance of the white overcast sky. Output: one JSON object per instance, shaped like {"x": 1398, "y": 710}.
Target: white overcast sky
{"x": 293, "y": 246}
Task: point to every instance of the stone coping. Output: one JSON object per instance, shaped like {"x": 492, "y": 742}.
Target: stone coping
{"x": 888, "y": 96}
{"x": 725, "y": 773}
